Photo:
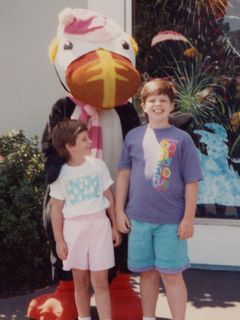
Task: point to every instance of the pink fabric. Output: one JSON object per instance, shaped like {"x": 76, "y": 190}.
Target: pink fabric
{"x": 89, "y": 241}
{"x": 90, "y": 116}
{"x": 85, "y": 23}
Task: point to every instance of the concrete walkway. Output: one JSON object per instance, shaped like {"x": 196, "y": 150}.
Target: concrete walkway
{"x": 213, "y": 295}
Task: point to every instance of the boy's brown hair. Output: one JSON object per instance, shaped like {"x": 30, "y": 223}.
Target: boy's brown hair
{"x": 66, "y": 132}
{"x": 157, "y": 86}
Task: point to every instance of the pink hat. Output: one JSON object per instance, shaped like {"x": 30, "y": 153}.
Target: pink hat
{"x": 89, "y": 25}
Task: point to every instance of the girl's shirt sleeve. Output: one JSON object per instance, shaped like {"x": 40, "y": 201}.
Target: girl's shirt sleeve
{"x": 191, "y": 170}
{"x": 105, "y": 177}
{"x": 56, "y": 190}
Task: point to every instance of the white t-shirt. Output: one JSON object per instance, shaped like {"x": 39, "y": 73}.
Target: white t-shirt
{"x": 81, "y": 187}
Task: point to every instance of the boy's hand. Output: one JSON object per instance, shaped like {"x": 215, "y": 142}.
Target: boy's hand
{"x": 62, "y": 249}
{"x": 185, "y": 229}
{"x": 123, "y": 223}
{"x": 117, "y": 237}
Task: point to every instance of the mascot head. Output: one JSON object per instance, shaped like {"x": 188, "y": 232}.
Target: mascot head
{"x": 94, "y": 58}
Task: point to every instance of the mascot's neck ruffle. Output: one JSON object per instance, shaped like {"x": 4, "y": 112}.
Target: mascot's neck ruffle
{"x": 90, "y": 116}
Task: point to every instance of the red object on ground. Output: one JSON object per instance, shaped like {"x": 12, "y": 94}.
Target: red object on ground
{"x": 58, "y": 305}
{"x": 126, "y": 304}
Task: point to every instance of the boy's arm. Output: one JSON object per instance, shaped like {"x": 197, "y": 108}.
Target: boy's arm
{"x": 57, "y": 225}
{"x": 122, "y": 186}
{"x": 111, "y": 214}
{"x": 186, "y": 226}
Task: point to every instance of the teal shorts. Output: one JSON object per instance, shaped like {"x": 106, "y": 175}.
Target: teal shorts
{"x": 156, "y": 246}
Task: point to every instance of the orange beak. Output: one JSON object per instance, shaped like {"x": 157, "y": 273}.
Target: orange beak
{"x": 102, "y": 79}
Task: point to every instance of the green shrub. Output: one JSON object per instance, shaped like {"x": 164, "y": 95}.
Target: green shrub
{"x": 24, "y": 258}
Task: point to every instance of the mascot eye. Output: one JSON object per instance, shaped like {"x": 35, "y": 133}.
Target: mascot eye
{"x": 68, "y": 45}
{"x": 125, "y": 45}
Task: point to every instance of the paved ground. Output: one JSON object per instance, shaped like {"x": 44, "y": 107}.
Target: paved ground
{"x": 213, "y": 295}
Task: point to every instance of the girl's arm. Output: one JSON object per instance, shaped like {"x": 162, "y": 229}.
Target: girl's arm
{"x": 122, "y": 186}
{"x": 186, "y": 226}
{"x": 111, "y": 214}
{"x": 57, "y": 225}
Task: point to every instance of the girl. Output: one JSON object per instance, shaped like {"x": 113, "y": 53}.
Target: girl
{"x": 82, "y": 230}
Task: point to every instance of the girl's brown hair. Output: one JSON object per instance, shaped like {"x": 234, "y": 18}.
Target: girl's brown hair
{"x": 66, "y": 132}
{"x": 157, "y": 86}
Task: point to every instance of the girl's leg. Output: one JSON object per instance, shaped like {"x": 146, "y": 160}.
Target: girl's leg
{"x": 176, "y": 294}
{"x": 81, "y": 280}
{"x": 149, "y": 288}
{"x": 100, "y": 285}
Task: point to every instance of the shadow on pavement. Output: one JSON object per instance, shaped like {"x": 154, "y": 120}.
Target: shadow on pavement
{"x": 213, "y": 288}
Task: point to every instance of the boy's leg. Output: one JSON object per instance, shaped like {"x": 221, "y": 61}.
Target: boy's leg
{"x": 149, "y": 288}
{"x": 100, "y": 285}
{"x": 141, "y": 257}
{"x": 171, "y": 259}
{"x": 176, "y": 294}
{"x": 81, "y": 280}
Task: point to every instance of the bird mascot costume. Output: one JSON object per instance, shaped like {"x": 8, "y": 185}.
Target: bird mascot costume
{"x": 94, "y": 61}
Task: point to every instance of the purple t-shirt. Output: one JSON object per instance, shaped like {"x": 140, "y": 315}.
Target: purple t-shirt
{"x": 161, "y": 161}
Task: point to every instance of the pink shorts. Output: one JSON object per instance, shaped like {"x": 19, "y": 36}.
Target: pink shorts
{"x": 89, "y": 241}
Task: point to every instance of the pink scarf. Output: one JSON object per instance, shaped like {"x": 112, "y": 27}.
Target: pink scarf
{"x": 90, "y": 116}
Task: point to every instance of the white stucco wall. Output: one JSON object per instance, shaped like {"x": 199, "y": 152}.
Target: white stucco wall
{"x": 120, "y": 11}
{"x": 28, "y": 83}
{"x": 215, "y": 245}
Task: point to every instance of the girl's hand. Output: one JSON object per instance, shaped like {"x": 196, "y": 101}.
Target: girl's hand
{"x": 62, "y": 249}
{"x": 117, "y": 237}
{"x": 123, "y": 223}
{"x": 185, "y": 229}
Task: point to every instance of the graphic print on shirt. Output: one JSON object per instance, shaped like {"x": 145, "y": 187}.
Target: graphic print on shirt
{"x": 83, "y": 188}
{"x": 162, "y": 171}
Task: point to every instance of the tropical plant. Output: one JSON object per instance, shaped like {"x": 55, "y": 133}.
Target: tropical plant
{"x": 199, "y": 95}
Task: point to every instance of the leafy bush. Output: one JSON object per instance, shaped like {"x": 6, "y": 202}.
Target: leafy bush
{"x": 24, "y": 259}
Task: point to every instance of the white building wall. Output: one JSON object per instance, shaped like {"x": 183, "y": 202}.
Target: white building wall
{"x": 120, "y": 11}
{"x": 28, "y": 83}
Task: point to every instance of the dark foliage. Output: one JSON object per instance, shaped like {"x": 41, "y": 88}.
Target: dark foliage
{"x": 24, "y": 259}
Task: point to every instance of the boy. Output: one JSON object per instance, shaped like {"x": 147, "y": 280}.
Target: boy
{"x": 157, "y": 187}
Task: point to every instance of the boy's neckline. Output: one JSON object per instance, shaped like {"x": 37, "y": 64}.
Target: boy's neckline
{"x": 160, "y": 128}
